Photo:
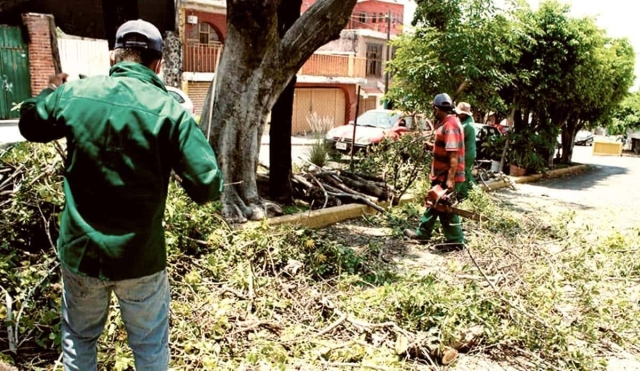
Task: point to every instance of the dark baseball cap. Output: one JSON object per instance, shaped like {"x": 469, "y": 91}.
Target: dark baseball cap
{"x": 142, "y": 28}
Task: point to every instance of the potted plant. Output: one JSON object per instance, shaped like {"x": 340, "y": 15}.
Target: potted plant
{"x": 517, "y": 163}
{"x": 493, "y": 147}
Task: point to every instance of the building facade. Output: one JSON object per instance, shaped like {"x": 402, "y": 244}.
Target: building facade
{"x": 326, "y": 84}
{"x": 203, "y": 30}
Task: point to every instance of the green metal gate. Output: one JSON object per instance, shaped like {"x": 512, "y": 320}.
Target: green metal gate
{"x": 15, "y": 84}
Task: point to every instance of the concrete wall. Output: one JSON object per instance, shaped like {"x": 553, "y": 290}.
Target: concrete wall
{"x": 218, "y": 21}
{"x": 347, "y": 43}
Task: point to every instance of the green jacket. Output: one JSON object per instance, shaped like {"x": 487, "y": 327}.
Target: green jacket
{"x": 469, "y": 142}
{"x": 124, "y": 136}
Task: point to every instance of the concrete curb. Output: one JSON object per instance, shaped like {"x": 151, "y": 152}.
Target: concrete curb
{"x": 551, "y": 174}
{"x": 8, "y": 123}
{"x": 324, "y": 217}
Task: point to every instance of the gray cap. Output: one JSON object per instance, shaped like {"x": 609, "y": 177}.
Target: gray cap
{"x": 142, "y": 28}
{"x": 443, "y": 101}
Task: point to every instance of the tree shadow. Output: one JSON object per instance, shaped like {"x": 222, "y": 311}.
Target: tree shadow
{"x": 392, "y": 252}
{"x": 584, "y": 180}
{"x": 510, "y": 199}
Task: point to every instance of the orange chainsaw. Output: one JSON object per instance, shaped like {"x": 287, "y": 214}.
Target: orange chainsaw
{"x": 443, "y": 201}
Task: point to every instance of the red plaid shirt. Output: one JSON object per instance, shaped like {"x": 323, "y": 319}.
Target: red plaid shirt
{"x": 449, "y": 138}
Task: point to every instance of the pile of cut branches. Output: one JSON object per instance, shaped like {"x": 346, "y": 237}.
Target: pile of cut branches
{"x": 384, "y": 173}
{"x": 322, "y": 187}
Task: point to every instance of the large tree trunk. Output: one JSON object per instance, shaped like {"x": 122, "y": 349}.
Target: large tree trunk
{"x": 255, "y": 67}
{"x": 568, "y": 135}
{"x": 280, "y": 186}
{"x": 280, "y": 169}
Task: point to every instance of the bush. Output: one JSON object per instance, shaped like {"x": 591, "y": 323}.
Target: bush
{"x": 399, "y": 162}
{"x": 318, "y": 153}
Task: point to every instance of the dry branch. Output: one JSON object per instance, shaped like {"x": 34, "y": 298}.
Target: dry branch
{"x": 332, "y": 326}
{"x": 273, "y": 327}
{"x": 328, "y": 187}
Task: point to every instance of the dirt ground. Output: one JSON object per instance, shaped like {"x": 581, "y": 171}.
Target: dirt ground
{"x": 603, "y": 198}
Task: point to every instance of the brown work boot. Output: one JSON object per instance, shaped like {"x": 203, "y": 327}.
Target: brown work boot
{"x": 411, "y": 234}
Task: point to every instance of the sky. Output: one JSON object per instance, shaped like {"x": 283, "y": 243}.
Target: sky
{"x": 617, "y": 17}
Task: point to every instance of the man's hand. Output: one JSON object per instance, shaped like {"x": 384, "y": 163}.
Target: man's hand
{"x": 451, "y": 185}
{"x": 57, "y": 80}
{"x": 428, "y": 145}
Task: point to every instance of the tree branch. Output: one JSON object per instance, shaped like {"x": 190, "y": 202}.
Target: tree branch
{"x": 320, "y": 24}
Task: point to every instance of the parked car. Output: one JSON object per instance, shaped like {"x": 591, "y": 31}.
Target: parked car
{"x": 182, "y": 98}
{"x": 583, "y": 138}
{"x": 375, "y": 125}
{"x": 486, "y": 138}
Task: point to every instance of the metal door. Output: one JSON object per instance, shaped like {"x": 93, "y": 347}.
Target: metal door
{"x": 325, "y": 102}
{"x": 14, "y": 71}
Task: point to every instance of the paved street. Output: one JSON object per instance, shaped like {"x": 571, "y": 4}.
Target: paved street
{"x": 606, "y": 193}
{"x": 299, "y": 149}
{"x": 9, "y": 132}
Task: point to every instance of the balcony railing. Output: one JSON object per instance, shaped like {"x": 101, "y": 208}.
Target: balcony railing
{"x": 335, "y": 66}
{"x": 201, "y": 57}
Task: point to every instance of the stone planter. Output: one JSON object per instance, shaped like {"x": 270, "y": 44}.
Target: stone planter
{"x": 516, "y": 170}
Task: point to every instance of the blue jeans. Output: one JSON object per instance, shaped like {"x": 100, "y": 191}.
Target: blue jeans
{"x": 144, "y": 306}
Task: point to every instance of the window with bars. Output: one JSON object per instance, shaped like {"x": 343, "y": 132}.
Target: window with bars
{"x": 374, "y": 59}
{"x": 203, "y": 34}
{"x": 362, "y": 17}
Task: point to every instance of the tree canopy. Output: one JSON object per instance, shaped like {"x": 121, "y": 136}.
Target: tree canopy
{"x": 626, "y": 115}
{"x": 555, "y": 73}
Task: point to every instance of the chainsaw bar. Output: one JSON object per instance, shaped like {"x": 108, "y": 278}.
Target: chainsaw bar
{"x": 454, "y": 210}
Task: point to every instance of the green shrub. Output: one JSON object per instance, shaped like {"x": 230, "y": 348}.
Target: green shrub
{"x": 399, "y": 162}
{"x": 318, "y": 153}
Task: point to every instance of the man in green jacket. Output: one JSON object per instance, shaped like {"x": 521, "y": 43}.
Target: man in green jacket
{"x": 463, "y": 110}
{"x": 124, "y": 135}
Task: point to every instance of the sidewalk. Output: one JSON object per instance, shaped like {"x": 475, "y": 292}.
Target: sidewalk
{"x": 324, "y": 217}
{"x": 295, "y": 140}
{"x": 9, "y": 132}
{"x": 11, "y": 122}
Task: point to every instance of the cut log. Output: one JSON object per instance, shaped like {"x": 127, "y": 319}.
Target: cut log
{"x": 342, "y": 187}
{"x": 368, "y": 177}
{"x": 369, "y": 188}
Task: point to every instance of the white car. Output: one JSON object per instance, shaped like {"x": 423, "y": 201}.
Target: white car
{"x": 182, "y": 98}
{"x": 583, "y": 138}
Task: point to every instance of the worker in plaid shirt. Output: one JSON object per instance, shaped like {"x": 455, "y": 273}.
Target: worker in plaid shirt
{"x": 447, "y": 170}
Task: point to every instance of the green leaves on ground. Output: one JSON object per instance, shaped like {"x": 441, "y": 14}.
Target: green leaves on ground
{"x": 536, "y": 290}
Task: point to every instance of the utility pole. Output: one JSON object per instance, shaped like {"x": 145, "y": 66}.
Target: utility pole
{"x": 388, "y": 49}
